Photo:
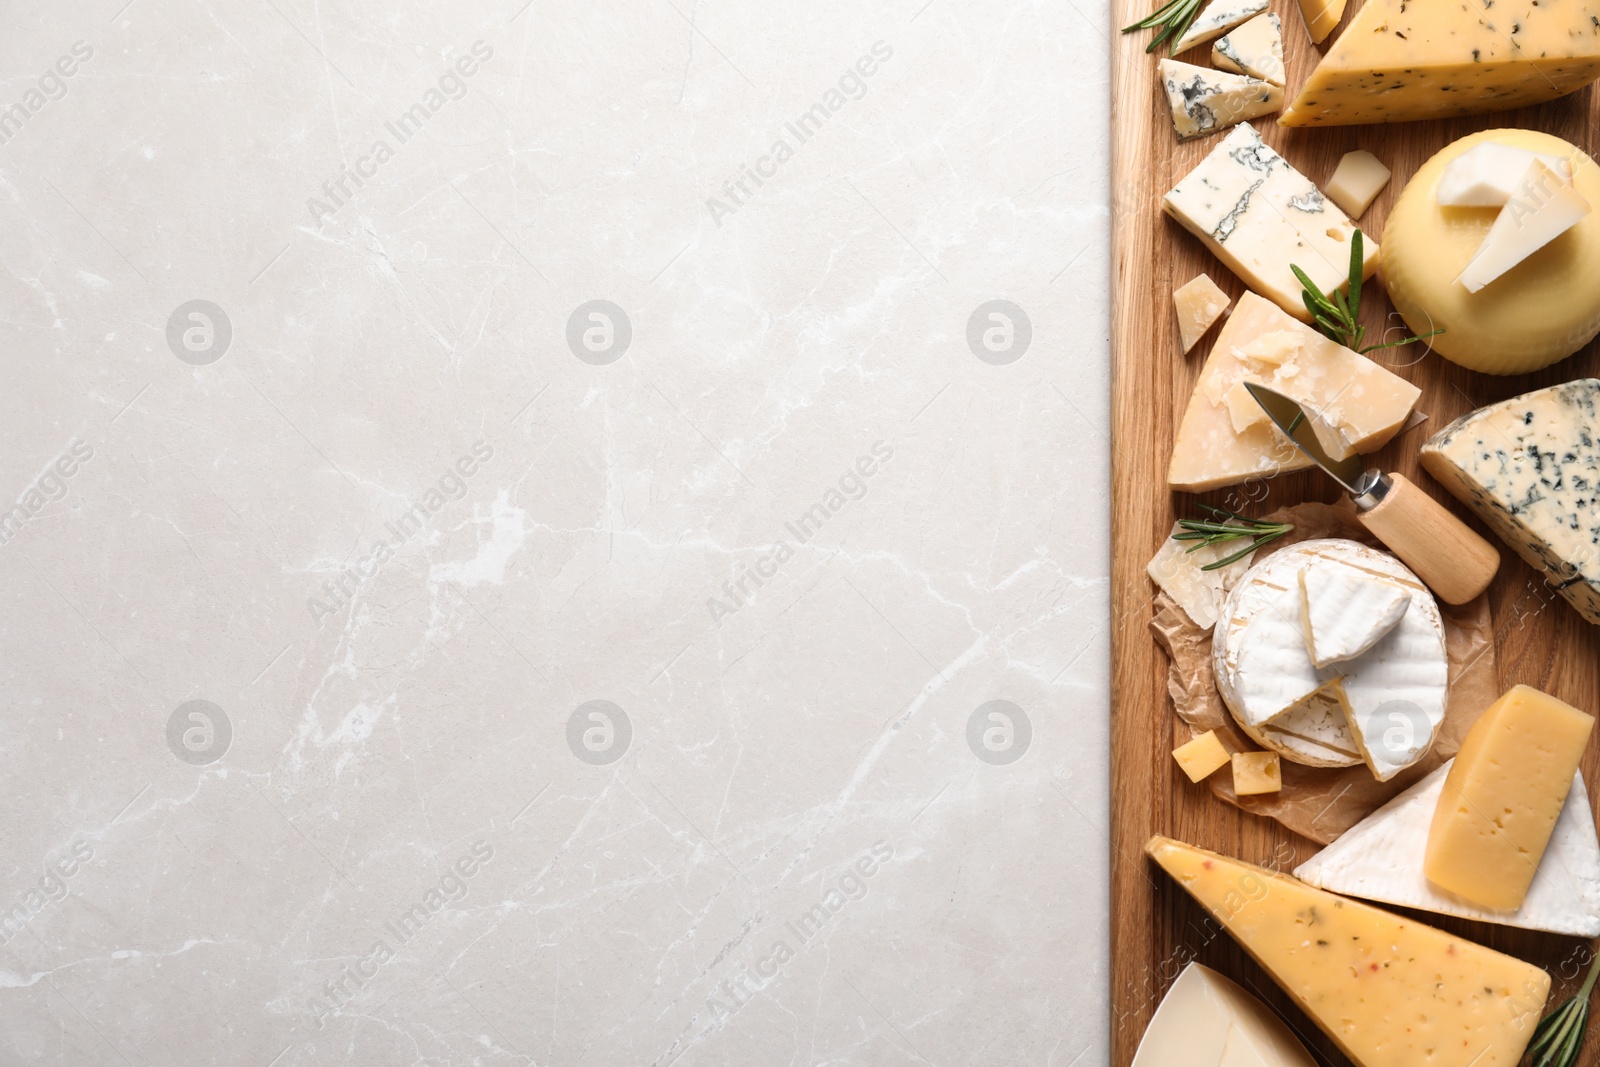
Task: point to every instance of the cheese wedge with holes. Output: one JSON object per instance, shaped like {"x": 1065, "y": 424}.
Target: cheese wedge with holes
{"x": 1380, "y": 858}
{"x": 1365, "y": 404}
{"x": 1389, "y": 991}
{"x": 1343, "y": 612}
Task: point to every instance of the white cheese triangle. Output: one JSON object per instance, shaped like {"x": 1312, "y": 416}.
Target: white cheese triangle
{"x": 1344, "y": 612}
{"x": 1542, "y": 208}
{"x": 1381, "y": 857}
{"x": 1205, "y": 1020}
{"x": 1219, "y": 17}
{"x": 1181, "y": 573}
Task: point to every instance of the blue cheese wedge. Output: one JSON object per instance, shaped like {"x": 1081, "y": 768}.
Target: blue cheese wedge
{"x": 1530, "y": 468}
{"x": 1381, "y": 858}
{"x": 1205, "y": 101}
{"x": 1218, "y": 18}
{"x": 1259, "y": 215}
{"x": 1256, "y": 49}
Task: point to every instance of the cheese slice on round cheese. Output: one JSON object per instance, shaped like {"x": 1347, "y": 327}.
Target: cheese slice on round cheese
{"x": 1344, "y": 612}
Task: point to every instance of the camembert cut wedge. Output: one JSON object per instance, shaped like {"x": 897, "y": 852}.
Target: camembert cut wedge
{"x": 1390, "y": 992}
{"x": 1225, "y": 438}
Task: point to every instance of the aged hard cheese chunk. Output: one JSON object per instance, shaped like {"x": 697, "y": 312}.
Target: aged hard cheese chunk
{"x": 1401, "y": 60}
{"x": 1256, "y": 49}
{"x": 1219, "y": 17}
{"x": 1380, "y": 858}
{"x": 1179, "y": 568}
{"x": 1389, "y": 991}
{"x": 1201, "y": 757}
{"x": 1259, "y": 215}
{"x": 1344, "y": 612}
{"x": 1204, "y": 101}
{"x": 1545, "y": 308}
{"x": 1542, "y": 208}
{"x": 1255, "y": 773}
{"x": 1501, "y": 799}
{"x": 1365, "y": 403}
{"x": 1356, "y": 182}
{"x": 1200, "y": 303}
{"x": 1205, "y": 1020}
{"x": 1320, "y": 17}
{"x": 1530, "y": 468}
{"x": 1486, "y": 174}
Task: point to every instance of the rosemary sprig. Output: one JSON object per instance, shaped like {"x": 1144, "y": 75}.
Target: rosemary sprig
{"x": 1228, "y": 526}
{"x": 1557, "y": 1039}
{"x": 1174, "y": 17}
{"x": 1338, "y": 317}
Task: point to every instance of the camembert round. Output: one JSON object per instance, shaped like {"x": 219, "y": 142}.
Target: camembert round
{"x": 1383, "y": 707}
{"x": 1542, "y": 310}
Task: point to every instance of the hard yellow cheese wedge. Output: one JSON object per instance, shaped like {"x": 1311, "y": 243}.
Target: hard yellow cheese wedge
{"x": 1365, "y": 404}
{"x": 1401, "y": 60}
{"x": 1389, "y": 991}
{"x": 1501, "y": 799}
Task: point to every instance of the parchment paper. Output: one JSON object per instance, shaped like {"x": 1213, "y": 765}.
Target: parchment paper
{"x": 1322, "y": 803}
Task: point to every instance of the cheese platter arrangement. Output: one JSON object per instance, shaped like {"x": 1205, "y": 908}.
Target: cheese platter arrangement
{"x": 1356, "y": 532}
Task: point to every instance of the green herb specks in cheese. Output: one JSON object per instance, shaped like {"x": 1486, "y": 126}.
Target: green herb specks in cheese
{"x": 1530, "y": 468}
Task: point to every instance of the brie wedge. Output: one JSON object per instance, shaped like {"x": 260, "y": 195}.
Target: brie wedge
{"x": 1381, "y": 858}
{"x": 1205, "y": 1020}
{"x": 1345, "y": 612}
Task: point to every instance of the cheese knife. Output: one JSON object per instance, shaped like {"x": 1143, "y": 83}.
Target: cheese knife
{"x": 1444, "y": 552}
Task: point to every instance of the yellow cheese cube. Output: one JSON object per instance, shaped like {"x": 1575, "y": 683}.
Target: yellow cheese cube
{"x": 1201, "y": 757}
{"x": 1502, "y": 796}
{"x": 1255, "y": 773}
{"x": 1200, "y": 303}
{"x": 1388, "y": 990}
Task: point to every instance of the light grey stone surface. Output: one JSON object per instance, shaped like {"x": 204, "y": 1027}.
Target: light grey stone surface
{"x": 369, "y": 474}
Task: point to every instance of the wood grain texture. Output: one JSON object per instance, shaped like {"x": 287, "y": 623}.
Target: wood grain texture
{"x": 1155, "y": 928}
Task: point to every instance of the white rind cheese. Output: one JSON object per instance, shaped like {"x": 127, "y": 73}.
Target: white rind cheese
{"x": 1259, "y": 215}
{"x": 1345, "y": 612}
{"x": 1256, "y": 49}
{"x": 1204, "y": 101}
{"x": 1381, "y": 858}
{"x": 1384, "y": 707}
{"x": 1205, "y": 1020}
{"x": 1530, "y": 468}
{"x": 1219, "y": 17}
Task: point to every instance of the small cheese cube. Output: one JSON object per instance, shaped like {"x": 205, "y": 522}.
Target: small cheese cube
{"x": 1356, "y": 182}
{"x": 1200, "y": 303}
{"x": 1501, "y": 798}
{"x": 1201, "y": 757}
{"x": 1255, "y": 773}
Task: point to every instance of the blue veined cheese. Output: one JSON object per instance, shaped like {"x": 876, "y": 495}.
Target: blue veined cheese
{"x": 1256, "y": 49}
{"x": 1530, "y": 468}
{"x": 1205, "y": 101}
{"x": 1258, "y": 215}
{"x": 1220, "y": 17}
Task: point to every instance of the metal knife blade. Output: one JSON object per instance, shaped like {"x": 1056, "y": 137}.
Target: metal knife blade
{"x": 1295, "y": 422}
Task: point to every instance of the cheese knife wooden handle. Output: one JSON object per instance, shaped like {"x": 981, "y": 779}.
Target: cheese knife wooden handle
{"x": 1445, "y": 553}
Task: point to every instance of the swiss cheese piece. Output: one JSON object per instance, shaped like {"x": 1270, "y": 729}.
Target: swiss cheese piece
{"x": 1545, "y": 308}
{"x": 1204, "y": 101}
{"x": 1365, "y": 404}
{"x": 1320, "y": 17}
{"x": 1501, "y": 799}
{"x": 1486, "y": 174}
{"x": 1259, "y": 215}
{"x": 1384, "y": 707}
{"x": 1529, "y": 468}
{"x": 1389, "y": 991}
{"x": 1205, "y": 1020}
{"x": 1201, "y": 757}
{"x": 1179, "y": 568}
{"x": 1256, "y": 49}
{"x": 1542, "y": 208}
{"x": 1381, "y": 858}
{"x": 1200, "y": 302}
{"x": 1401, "y": 60}
{"x": 1344, "y": 612}
{"x": 1356, "y": 182}
{"x": 1218, "y": 17}
{"x": 1255, "y": 773}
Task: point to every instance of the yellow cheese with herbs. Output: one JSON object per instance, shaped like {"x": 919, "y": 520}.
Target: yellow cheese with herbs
{"x": 1542, "y": 310}
{"x": 1401, "y": 60}
{"x": 1508, "y": 784}
{"x": 1221, "y": 441}
{"x": 1390, "y": 991}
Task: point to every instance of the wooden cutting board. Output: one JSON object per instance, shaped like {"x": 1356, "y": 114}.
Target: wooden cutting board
{"x": 1155, "y": 927}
